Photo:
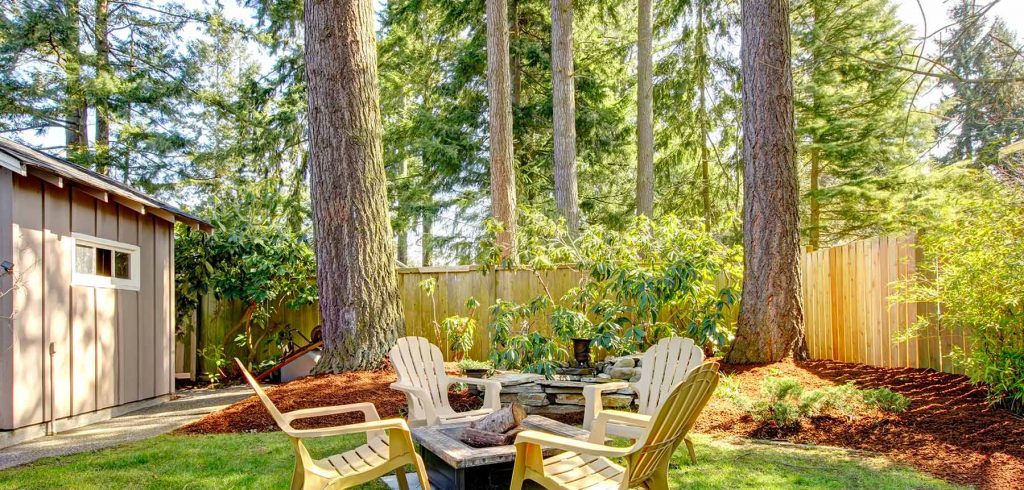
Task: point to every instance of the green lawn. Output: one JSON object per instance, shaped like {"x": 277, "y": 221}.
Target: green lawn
{"x": 265, "y": 461}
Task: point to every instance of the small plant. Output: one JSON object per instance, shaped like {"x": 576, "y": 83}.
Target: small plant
{"x": 215, "y": 362}
{"x": 474, "y": 365}
{"x": 886, "y": 400}
{"x": 459, "y": 330}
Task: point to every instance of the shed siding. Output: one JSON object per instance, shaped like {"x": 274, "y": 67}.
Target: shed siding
{"x": 111, "y": 346}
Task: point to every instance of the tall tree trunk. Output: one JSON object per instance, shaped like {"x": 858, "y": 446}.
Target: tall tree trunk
{"x": 517, "y": 59}
{"x": 428, "y": 237}
{"x": 645, "y": 113}
{"x": 103, "y": 72}
{"x": 771, "y": 318}
{"x": 815, "y": 214}
{"x": 564, "y": 102}
{"x": 503, "y": 176}
{"x": 76, "y": 132}
{"x": 704, "y": 76}
{"x": 359, "y": 303}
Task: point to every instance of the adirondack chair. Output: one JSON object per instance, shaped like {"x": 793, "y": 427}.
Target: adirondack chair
{"x": 586, "y": 465}
{"x": 662, "y": 367}
{"x": 388, "y": 446}
{"x": 421, "y": 376}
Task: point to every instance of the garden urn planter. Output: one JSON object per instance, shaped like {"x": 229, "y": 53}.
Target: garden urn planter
{"x": 476, "y": 373}
{"x": 581, "y": 351}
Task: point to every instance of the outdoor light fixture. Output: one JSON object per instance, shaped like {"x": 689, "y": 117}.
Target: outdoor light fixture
{"x": 7, "y": 266}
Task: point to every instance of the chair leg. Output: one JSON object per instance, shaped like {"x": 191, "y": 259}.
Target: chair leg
{"x": 689, "y": 449}
{"x": 519, "y": 470}
{"x": 421, "y": 472}
{"x": 298, "y": 476}
{"x": 403, "y": 484}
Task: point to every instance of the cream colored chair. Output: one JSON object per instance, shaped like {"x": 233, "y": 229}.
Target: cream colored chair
{"x": 663, "y": 366}
{"x": 421, "y": 376}
{"x": 586, "y": 465}
{"x": 388, "y": 448}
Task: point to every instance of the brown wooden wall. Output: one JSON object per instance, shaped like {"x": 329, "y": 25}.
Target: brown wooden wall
{"x": 112, "y": 346}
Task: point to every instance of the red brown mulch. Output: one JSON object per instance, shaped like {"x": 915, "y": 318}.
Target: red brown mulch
{"x": 949, "y": 430}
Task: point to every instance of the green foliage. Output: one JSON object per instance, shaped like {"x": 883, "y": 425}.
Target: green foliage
{"x": 886, "y": 400}
{"x": 460, "y": 330}
{"x": 650, "y": 280}
{"x": 973, "y": 260}
{"x": 784, "y": 401}
{"x": 254, "y": 257}
{"x": 470, "y": 364}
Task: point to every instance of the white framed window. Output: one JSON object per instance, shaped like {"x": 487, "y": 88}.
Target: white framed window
{"x": 102, "y": 263}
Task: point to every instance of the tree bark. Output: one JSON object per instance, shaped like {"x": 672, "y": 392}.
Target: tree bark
{"x": 428, "y": 237}
{"x": 705, "y": 130}
{"x": 76, "y": 133}
{"x": 645, "y": 113}
{"x": 564, "y": 105}
{"x": 503, "y": 177}
{"x": 815, "y": 213}
{"x": 359, "y": 303}
{"x": 771, "y": 318}
{"x": 103, "y": 72}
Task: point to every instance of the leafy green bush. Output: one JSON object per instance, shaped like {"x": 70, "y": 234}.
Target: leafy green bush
{"x": 974, "y": 258}
{"x": 886, "y": 400}
{"x": 650, "y": 280}
{"x": 460, "y": 330}
{"x": 470, "y": 364}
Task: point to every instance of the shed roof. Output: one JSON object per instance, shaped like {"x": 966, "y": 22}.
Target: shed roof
{"x": 26, "y": 160}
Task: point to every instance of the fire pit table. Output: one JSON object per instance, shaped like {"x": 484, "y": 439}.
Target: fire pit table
{"x": 455, "y": 465}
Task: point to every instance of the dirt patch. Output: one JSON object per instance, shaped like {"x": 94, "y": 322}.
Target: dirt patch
{"x": 949, "y": 430}
{"x": 319, "y": 391}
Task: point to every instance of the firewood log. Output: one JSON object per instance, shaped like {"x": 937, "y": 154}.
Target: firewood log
{"x": 501, "y": 420}
{"x": 481, "y": 438}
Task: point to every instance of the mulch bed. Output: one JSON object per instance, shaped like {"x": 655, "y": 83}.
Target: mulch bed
{"x": 949, "y": 430}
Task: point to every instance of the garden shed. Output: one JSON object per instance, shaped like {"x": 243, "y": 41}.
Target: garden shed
{"x": 87, "y": 305}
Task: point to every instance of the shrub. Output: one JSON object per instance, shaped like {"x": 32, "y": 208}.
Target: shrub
{"x": 974, "y": 258}
{"x": 886, "y": 400}
{"x": 470, "y": 364}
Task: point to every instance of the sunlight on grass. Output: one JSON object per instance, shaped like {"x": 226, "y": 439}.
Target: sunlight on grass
{"x": 265, "y": 461}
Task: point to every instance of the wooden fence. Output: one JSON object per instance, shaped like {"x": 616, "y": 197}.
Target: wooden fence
{"x": 847, "y": 292}
{"x": 850, "y": 315}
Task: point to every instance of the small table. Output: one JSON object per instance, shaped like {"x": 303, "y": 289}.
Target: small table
{"x": 454, "y": 465}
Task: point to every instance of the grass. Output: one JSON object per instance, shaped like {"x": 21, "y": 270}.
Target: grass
{"x": 265, "y": 461}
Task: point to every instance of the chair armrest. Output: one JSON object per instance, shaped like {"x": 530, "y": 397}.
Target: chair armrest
{"x": 369, "y": 411}
{"x": 594, "y": 405}
{"x": 543, "y": 439}
{"x": 376, "y": 425}
{"x": 597, "y": 433}
{"x": 427, "y": 403}
{"x": 492, "y": 390}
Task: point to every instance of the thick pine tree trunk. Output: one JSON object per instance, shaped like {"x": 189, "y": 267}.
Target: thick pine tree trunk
{"x": 503, "y": 176}
{"x": 564, "y": 102}
{"x": 359, "y": 304}
{"x": 771, "y": 317}
{"x": 815, "y": 213}
{"x": 103, "y": 70}
{"x": 428, "y": 237}
{"x": 76, "y": 131}
{"x": 645, "y": 113}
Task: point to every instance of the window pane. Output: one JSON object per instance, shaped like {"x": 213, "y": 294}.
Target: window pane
{"x": 122, "y": 265}
{"x": 84, "y": 260}
{"x": 103, "y": 262}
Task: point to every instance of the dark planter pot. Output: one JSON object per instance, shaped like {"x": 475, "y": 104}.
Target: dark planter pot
{"x": 476, "y": 373}
{"x": 581, "y": 351}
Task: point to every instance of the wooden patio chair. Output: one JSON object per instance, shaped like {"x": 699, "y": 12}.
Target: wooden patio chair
{"x": 421, "y": 376}
{"x": 388, "y": 446}
{"x": 586, "y": 464}
{"x": 663, "y": 366}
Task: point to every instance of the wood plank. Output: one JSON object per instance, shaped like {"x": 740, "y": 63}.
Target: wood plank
{"x": 6, "y": 301}
{"x": 147, "y": 308}
{"x": 83, "y": 315}
{"x": 106, "y": 318}
{"x": 163, "y": 344}
{"x": 58, "y": 254}
{"x": 127, "y": 317}
{"x": 29, "y": 348}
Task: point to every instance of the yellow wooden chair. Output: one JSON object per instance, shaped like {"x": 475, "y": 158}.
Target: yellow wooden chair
{"x": 388, "y": 448}
{"x": 586, "y": 465}
{"x": 420, "y": 368}
{"x": 663, "y": 366}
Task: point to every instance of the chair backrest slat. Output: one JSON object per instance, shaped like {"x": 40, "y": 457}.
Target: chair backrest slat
{"x": 663, "y": 366}
{"x": 269, "y": 405}
{"x": 421, "y": 364}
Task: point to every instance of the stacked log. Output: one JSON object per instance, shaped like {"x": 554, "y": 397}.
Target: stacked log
{"x": 497, "y": 429}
